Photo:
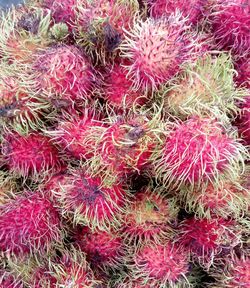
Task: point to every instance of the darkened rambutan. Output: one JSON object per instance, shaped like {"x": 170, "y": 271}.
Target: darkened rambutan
{"x": 63, "y": 72}
{"x": 230, "y": 25}
{"x": 205, "y": 88}
{"x": 148, "y": 217}
{"x": 243, "y": 70}
{"x": 30, "y": 155}
{"x": 8, "y": 186}
{"x": 29, "y": 224}
{"x": 197, "y": 151}
{"x": 233, "y": 273}
{"x": 82, "y": 197}
{"x": 161, "y": 266}
{"x": 72, "y": 270}
{"x": 156, "y": 49}
{"x": 21, "y": 36}
{"x": 243, "y": 121}
{"x": 101, "y": 24}
{"x": 207, "y": 238}
{"x": 164, "y": 8}
{"x": 118, "y": 90}
{"x": 102, "y": 248}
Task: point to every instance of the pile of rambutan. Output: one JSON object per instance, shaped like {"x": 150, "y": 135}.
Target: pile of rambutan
{"x": 125, "y": 144}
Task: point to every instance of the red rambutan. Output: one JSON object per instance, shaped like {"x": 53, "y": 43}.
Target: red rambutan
{"x": 89, "y": 203}
{"x": 65, "y": 72}
{"x": 28, "y": 224}
{"x": 243, "y": 121}
{"x": 148, "y": 217}
{"x": 161, "y": 266}
{"x": 156, "y": 49}
{"x": 7, "y": 280}
{"x": 230, "y": 22}
{"x": 243, "y": 69}
{"x": 207, "y": 238}
{"x": 198, "y": 151}
{"x": 192, "y": 9}
{"x": 31, "y": 155}
{"x": 102, "y": 248}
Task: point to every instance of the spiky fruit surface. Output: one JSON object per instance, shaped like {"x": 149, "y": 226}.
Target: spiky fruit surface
{"x": 235, "y": 273}
{"x": 72, "y": 270}
{"x": 8, "y": 185}
{"x": 89, "y": 203}
{"x": 8, "y": 281}
{"x": 118, "y": 90}
{"x": 206, "y": 88}
{"x": 243, "y": 121}
{"x": 156, "y": 49}
{"x": 148, "y": 217}
{"x": 192, "y": 9}
{"x": 32, "y": 155}
{"x": 230, "y": 23}
{"x": 161, "y": 265}
{"x": 70, "y": 135}
{"x": 197, "y": 151}
{"x": 207, "y": 238}
{"x": 29, "y": 224}
{"x": 102, "y": 248}
{"x": 64, "y": 72}
{"x": 243, "y": 70}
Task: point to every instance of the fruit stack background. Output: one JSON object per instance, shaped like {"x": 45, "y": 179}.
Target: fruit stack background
{"x": 124, "y": 144}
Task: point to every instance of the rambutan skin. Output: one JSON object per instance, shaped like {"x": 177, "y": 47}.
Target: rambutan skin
{"x": 198, "y": 151}
{"x": 65, "y": 72}
{"x": 192, "y": 9}
{"x": 243, "y": 70}
{"x": 28, "y": 224}
{"x": 230, "y": 23}
{"x": 30, "y": 155}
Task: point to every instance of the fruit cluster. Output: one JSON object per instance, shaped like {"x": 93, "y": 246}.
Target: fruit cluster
{"x": 124, "y": 144}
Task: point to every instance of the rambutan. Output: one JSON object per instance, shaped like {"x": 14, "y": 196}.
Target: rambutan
{"x": 7, "y": 280}
{"x": 63, "y": 72}
{"x": 243, "y": 70}
{"x": 207, "y": 238}
{"x": 164, "y": 8}
{"x": 161, "y": 266}
{"x": 30, "y": 155}
{"x": 230, "y": 22}
{"x": 205, "y": 88}
{"x": 118, "y": 90}
{"x": 148, "y": 217}
{"x": 234, "y": 273}
{"x": 198, "y": 151}
{"x": 156, "y": 49}
{"x": 8, "y": 186}
{"x": 102, "y": 248}
{"x": 29, "y": 224}
{"x": 82, "y": 197}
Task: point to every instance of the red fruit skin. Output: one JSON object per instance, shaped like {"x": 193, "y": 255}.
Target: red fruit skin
{"x": 230, "y": 26}
{"x": 238, "y": 273}
{"x": 207, "y": 238}
{"x": 30, "y": 155}
{"x": 89, "y": 202}
{"x": 64, "y": 71}
{"x": 118, "y": 90}
{"x": 101, "y": 247}
{"x": 197, "y": 150}
{"x": 192, "y": 9}
{"x": 28, "y": 224}
{"x": 8, "y": 281}
{"x": 243, "y": 121}
{"x": 166, "y": 264}
{"x": 243, "y": 70}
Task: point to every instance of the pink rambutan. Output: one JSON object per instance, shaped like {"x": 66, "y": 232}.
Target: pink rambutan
{"x": 30, "y": 155}
{"x": 7, "y": 280}
{"x": 207, "y": 238}
{"x": 148, "y": 217}
{"x": 243, "y": 121}
{"x": 28, "y": 224}
{"x": 243, "y": 70}
{"x": 64, "y": 72}
{"x": 230, "y": 22}
{"x": 82, "y": 197}
{"x": 197, "y": 151}
{"x": 118, "y": 90}
{"x": 161, "y": 265}
{"x": 164, "y": 8}
{"x": 156, "y": 49}
{"x": 234, "y": 273}
{"x": 102, "y": 248}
